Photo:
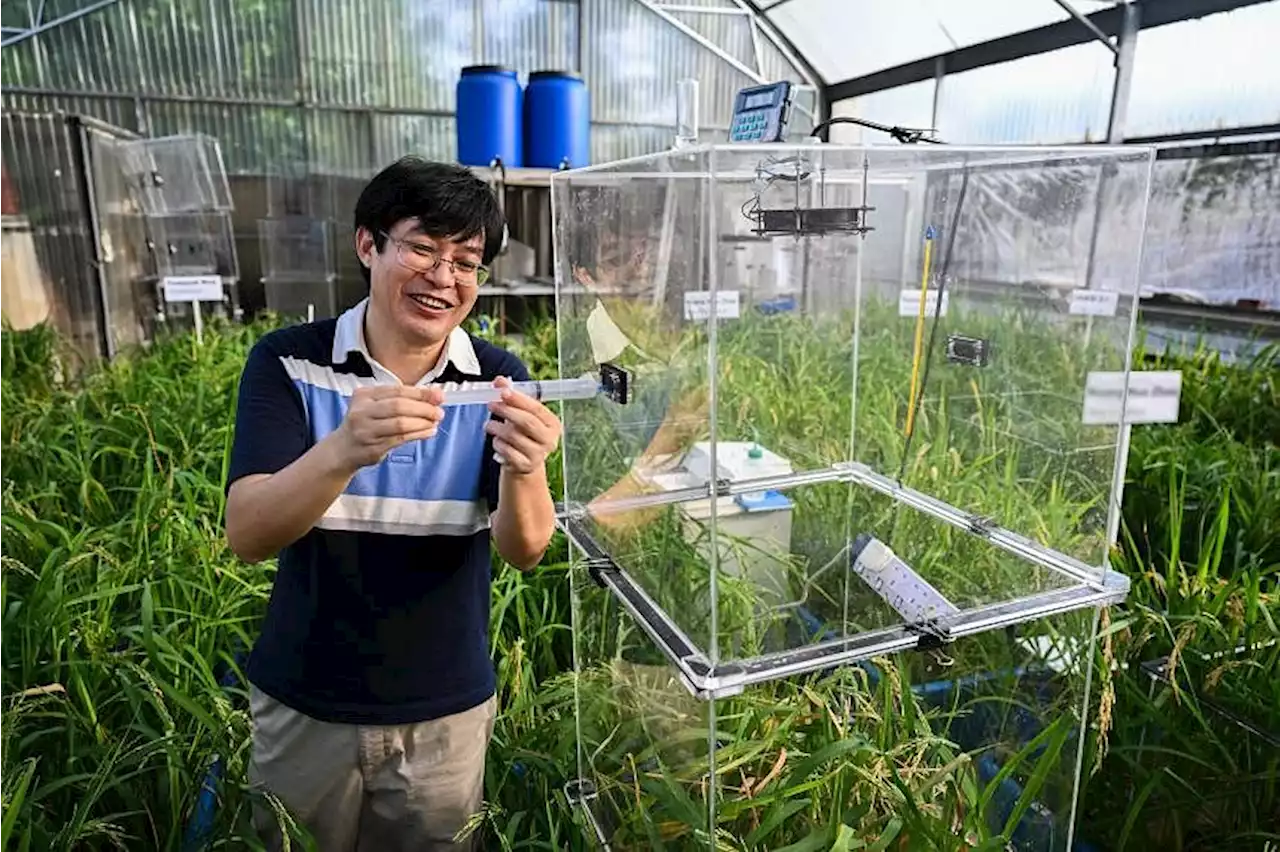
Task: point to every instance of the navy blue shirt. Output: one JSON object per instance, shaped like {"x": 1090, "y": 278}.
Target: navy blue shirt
{"x": 380, "y": 613}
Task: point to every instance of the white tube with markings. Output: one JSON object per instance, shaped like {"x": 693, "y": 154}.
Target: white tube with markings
{"x": 583, "y": 387}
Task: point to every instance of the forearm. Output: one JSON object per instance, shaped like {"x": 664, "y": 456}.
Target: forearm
{"x": 269, "y": 512}
{"x": 526, "y": 517}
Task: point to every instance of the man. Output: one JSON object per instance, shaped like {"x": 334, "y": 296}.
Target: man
{"x": 372, "y": 690}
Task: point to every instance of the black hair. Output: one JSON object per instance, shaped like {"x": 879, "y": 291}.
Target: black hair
{"x": 449, "y": 202}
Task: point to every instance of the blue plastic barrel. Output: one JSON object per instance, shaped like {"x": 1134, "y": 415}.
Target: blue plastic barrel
{"x": 489, "y": 116}
{"x": 557, "y": 120}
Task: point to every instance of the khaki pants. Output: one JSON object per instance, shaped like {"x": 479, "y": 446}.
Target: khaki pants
{"x": 358, "y": 788}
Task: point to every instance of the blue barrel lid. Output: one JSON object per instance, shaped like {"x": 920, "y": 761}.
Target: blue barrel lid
{"x": 549, "y": 75}
{"x": 487, "y": 69}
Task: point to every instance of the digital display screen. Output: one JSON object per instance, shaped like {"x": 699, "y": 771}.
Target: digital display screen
{"x": 759, "y": 100}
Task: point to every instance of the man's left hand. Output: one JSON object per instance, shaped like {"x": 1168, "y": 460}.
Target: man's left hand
{"x": 528, "y": 434}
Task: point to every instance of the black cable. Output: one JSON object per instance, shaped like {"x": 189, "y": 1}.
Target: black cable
{"x": 902, "y": 134}
{"x": 937, "y": 319}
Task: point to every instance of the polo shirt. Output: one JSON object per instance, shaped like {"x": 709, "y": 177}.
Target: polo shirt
{"x": 380, "y": 613}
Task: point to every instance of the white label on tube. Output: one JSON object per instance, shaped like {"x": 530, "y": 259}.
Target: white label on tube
{"x": 192, "y": 288}
{"x": 1153, "y": 397}
{"x": 1094, "y": 303}
{"x": 909, "y": 303}
{"x": 697, "y": 305}
{"x": 901, "y": 587}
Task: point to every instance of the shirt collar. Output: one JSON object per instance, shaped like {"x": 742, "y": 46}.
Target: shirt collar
{"x": 348, "y": 337}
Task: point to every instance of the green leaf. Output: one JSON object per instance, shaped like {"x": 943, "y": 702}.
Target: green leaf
{"x": 816, "y": 840}
{"x": 846, "y": 841}
{"x": 891, "y": 830}
{"x": 13, "y": 805}
{"x": 774, "y": 817}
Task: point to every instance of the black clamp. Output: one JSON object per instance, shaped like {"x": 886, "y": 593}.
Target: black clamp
{"x": 971, "y": 351}
{"x": 981, "y": 524}
{"x": 615, "y": 382}
{"x": 932, "y": 634}
{"x": 596, "y": 567}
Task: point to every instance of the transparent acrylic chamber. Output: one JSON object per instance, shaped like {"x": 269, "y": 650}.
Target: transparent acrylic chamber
{"x": 826, "y": 496}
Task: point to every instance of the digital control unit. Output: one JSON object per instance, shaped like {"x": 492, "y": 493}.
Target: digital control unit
{"x": 760, "y": 113}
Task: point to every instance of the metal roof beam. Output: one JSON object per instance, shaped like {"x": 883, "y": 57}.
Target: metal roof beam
{"x": 1068, "y": 33}
{"x": 39, "y": 25}
{"x": 1214, "y": 134}
{"x": 1089, "y": 25}
{"x": 775, "y": 34}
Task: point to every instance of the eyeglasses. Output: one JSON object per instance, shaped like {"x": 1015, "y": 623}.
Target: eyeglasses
{"x": 423, "y": 258}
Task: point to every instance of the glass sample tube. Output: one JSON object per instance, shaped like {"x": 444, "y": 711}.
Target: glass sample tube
{"x": 686, "y": 112}
{"x": 584, "y": 387}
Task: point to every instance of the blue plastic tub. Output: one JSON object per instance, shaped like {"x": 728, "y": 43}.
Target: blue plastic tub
{"x": 557, "y": 121}
{"x": 199, "y": 831}
{"x": 490, "y": 116}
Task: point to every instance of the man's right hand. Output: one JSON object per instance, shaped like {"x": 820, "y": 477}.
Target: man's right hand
{"x": 383, "y": 417}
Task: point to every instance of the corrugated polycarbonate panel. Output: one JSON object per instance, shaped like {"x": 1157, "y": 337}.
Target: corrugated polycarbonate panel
{"x": 531, "y": 35}
{"x": 84, "y": 55}
{"x": 401, "y": 53}
{"x": 216, "y": 49}
{"x": 42, "y": 164}
{"x": 236, "y": 71}
{"x": 635, "y": 58}
{"x": 428, "y": 136}
{"x": 346, "y": 52}
{"x": 850, "y": 38}
{"x": 774, "y": 65}
{"x": 250, "y": 136}
{"x": 1219, "y": 71}
{"x": 729, "y": 32}
{"x": 616, "y": 142}
{"x": 341, "y": 142}
{"x": 121, "y": 112}
{"x": 1062, "y": 96}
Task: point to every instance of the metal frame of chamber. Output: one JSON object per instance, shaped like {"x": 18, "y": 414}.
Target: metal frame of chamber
{"x": 709, "y": 681}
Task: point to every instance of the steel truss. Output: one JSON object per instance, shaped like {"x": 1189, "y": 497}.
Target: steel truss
{"x": 676, "y": 14}
{"x": 37, "y": 23}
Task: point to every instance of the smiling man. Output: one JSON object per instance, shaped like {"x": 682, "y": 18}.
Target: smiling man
{"x": 372, "y": 689}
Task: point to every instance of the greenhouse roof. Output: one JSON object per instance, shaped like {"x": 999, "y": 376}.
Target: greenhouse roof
{"x": 1197, "y": 56}
{"x": 855, "y": 46}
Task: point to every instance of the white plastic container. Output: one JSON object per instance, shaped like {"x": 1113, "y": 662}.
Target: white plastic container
{"x": 754, "y": 529}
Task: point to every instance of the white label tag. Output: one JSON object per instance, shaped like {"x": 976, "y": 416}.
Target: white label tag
{"x": 697, "y": 305}
{"x": 192, "y": 288}
{"x": 1094, "y": 303}
{"x": 1153, "y": 397}
{"x": 909, "y": 303}
{"x": 784, "y": 254}
{"x": 900, "y": 586}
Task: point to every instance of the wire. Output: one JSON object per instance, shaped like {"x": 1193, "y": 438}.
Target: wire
{"x": 915, "y": 355}
{"x": 764, "y": 170}
{"x": 905, "y": 135}
{"x": 769, "y": 171}
{"x": 937, "y": 318}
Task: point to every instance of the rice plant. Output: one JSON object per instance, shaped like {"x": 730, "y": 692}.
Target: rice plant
{"x": 126, "y": 618}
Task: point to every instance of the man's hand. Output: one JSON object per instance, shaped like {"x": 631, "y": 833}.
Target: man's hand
{"x": 383, "y": 417}
{"x": 529, "y": 434}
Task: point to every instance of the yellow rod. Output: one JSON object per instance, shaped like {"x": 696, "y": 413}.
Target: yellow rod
{"x": 915, "y": 359}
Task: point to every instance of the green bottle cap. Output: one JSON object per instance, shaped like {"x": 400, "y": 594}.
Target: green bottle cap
{"x": 755, "y": 452}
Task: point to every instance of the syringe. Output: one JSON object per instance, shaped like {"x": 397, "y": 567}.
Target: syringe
{"x": 583, "y": 387}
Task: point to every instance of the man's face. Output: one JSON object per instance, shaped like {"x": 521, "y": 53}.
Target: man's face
{"x": 423, "y": 304}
